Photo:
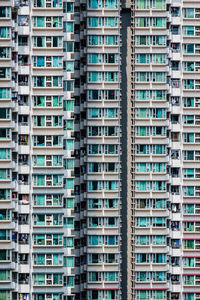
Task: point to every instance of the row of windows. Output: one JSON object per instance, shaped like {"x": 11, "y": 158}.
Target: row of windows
{"x": 146, "y": 186}
{"x": 151, "y": 58}
{"x": 99, "y": 94}
{"x": 151, "y": 167}
{"x": 100, "y": 276}
{"x": 47, "y": 160}
{"x": 50, "y": 220}
{"x": 154, "y": 149}
{"x": 99, "y": 240}
{"x": 43, "y": 22}
{"x": 155, "y": 22}
{"x": 106, "y": 4}
{"x": 162, "y": 294}
{"x": 48, "y": 4}
{"x": 147, "y": 294}
{"x": 151, "y": 40}
{"x": 148, "y": 131}
{"x": 160, "y": 95}
{"x": 103, "y": 203}
{"x": 151, "y": 276}
{"x": 100, "y": 149}
{"x": 103, "y": 21}
{"x": 47, "y": 121}
{"x": 147, "y": 258}
{"x": 161, "y": 131}
{"x": 103, "y": 294}
{"x": 99, "y": 58}
{"x": 52, "y": 200}
{"x": 103, "y": 76}
{"x": 48, "y": 61}
{"x": 151, "y": 4}
{"x": 94, "y": 113}
{"x": 97, "y": 131}
{"x": 97, "y": 185}
{"x": 150, "y": 76}
{"x": 103, "y": 167}
{"x": 154, "y": 222}
{"x": 100, "y": 40}
{"x": 146, "y": 113}
{"x": 99, "y": 222}
{"x": 151, "y": 203}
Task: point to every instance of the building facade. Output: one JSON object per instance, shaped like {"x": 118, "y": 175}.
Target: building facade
{"x": 59, "y": 150}
{"x": 99, "y": 150}
{"x": 162, "y": 184}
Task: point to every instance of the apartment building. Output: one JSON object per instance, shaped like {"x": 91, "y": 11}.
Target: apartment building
{"x": 59, "y": 150}
{"x": 99, "y": 150}
{"x": 162, "y": 185}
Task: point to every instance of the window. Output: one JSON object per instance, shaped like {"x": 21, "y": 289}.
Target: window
{"x": 5, "y": 73}
{"x": 142, "y": 22}
{"x": 188, "y": 137}
{"x": 68, "y": 85}
{"x": 142, "y": 276}
{"x": 189, "y": 13}
{"x": 142, "y": 240}
{"x": 188, "y": 173}
{"x": 143, "y": 222}
{"x": 188, "y": 102}
{"x": 5, "y": 32}
{"x": 68, "y": 66}
{"x": 189, "y": 209}
{"x": 188, "y": 48}
{"x": 188, "y": 30}
{"x": 159, "y": 22}
{"x": 142, "y": 294}
{"x": 188, "y": 84}
{"x": 142, "y": 95}
{"x": 5, "y": 295}
{"x": 142, "y": 131}
{"x": 68, "y": 46}
{"x": 5, "y": 12}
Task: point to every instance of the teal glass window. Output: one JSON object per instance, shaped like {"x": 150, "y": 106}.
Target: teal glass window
{"x": 5, "y": 93}
{"x": 111, "y": 40}
{"x": 188, "y": 191}
{"x": 189, "y": 209}
{"x": 188, "y": 101}
{"x": 5, "y": 32}
{"x": 142, "y": 58}
{"x": 111, "y": 21}
{"x": 68, "y": 46}
{"x": 70, "y": 183}
{"x": 142, "y": 131}
{"x": 69, "y": 27}
{"x": 142, "y": 185}
{"x": 159, "y": 22}
{"x": 142, "y": 95}
{"x": 38, "y": 22}
{"x": 111, "y": 4}
{"x": 188, "y": 48}
{"x": 188, "y": 84}
{"x": 188, "y": 30}
{"x": 68, "y": 66}
{"x": 142, "y": 4}
{"x": 189, "y": 13}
